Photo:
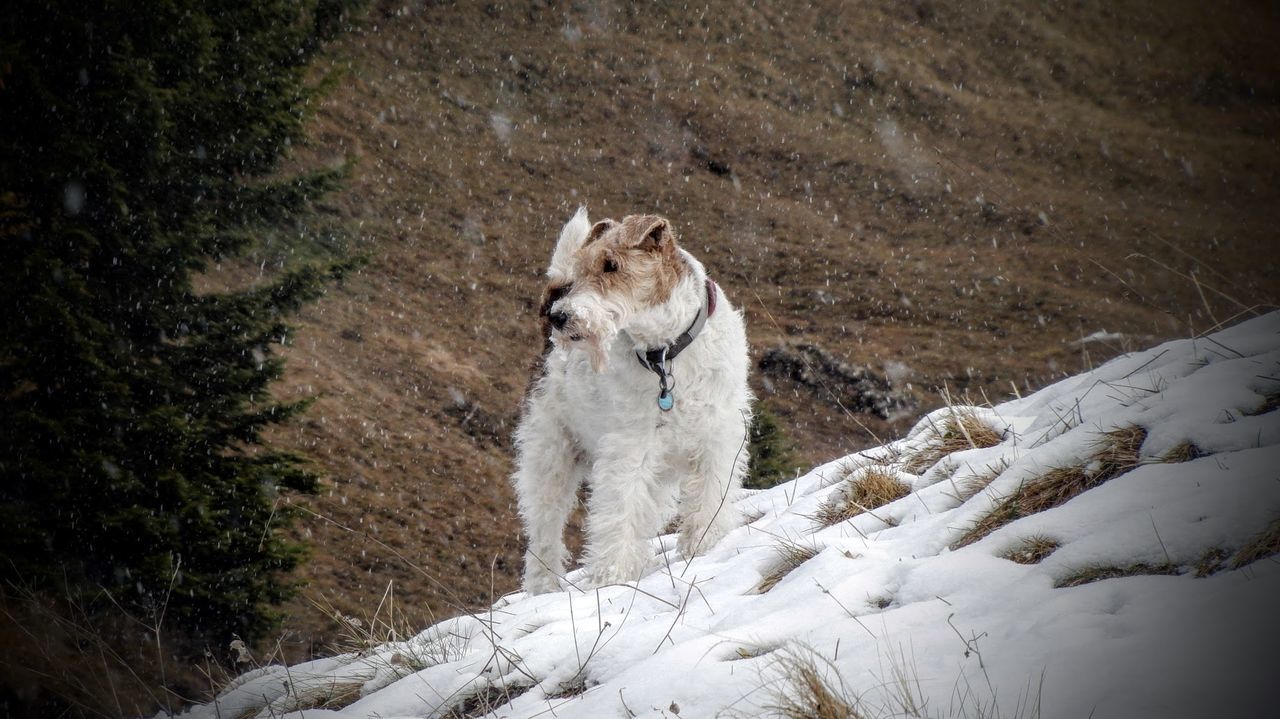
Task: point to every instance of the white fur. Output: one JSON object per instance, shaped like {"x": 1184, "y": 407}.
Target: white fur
{"x": 598, "y": 422}
{"x": 571, "y": 238}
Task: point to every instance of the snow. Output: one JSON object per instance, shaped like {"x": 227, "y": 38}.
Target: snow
{"x": 886, "y": 598}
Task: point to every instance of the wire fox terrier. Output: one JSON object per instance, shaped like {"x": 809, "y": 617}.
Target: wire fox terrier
{"x": 642, "y": 395}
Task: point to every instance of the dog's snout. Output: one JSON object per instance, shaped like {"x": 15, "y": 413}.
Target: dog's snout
{"x": 558, "y": 319}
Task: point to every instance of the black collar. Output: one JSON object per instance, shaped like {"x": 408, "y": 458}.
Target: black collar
{"x": 658, "y": 360}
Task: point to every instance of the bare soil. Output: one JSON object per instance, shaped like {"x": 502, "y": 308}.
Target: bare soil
{"x": 948, "y": 194}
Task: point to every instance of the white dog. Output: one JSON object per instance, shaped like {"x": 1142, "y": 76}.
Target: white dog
{"x": 642, "y": 394}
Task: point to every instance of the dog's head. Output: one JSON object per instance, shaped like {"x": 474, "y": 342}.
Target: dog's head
{"x": 605, "y": 276}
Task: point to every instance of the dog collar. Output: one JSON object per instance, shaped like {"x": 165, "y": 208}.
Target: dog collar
{"x": 659, "y": 360}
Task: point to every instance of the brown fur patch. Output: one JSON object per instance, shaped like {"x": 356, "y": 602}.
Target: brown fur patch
{"x": 637, "y": 256}
{"x": 550, "y": 296}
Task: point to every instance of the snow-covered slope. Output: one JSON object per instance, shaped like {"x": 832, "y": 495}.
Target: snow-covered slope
{"x": 1137, "y": 590}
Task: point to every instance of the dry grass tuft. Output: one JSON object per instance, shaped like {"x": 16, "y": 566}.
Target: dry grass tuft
{"x": 1270, "y": 404}
{"x": 387, "y": 623}
{"x": 485, "y": 702}
{"x": 308, "y": 694}
{"x": 962, "y": 430}
{"x": 1032, "y": 550}
{"x": 1182, "y": 452}
{"x": 574, "y": 686}
{"x": 751, "y": 652}
{"x": 1211, "y": 561}
{"x": 1264, "y": 544}
{"x": 1116, "y": 452}
{"x": 968, "y": 488}
{"x": 1097, "y": 573}
{"x": 336, "y": 695}
{"x": 876, "y": 487}
{"x": 790, "y": 556}
{"x": 806, "y": 693}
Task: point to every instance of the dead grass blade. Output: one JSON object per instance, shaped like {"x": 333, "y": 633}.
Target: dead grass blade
{"x": 805, "y": 692}
{"x": 1116, "y": 452}
{"x": 486, "y": 702}
{"x": 1032, "y": 550}
{"x": 964, "y": 429}
{"x": 1264, "y": 544}
{"x": 1182, "y": 452}
{"x": 790, "y": 556}
{"x": 1097, "y": 573}
{"x": 874, "y": 488}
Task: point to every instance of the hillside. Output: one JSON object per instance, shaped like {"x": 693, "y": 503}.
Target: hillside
{"x": 981, "y": 196}
{"x": 1104, "y": 547}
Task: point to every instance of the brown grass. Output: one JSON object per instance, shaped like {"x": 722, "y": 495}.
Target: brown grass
{"x": 1097, "y": 573}
{"x": 790, "y": 556}
{"x": 1270, "y": 404}
{"x": 876, "y": 487}
{"x": 962, "y": 430}
{"x": 805, "y": 694}
{"x": 967, "y": 489}
{"x": 751, "y": 652}
{"x": 1264, "y": 544}
{"x": 1116, "y": 452}
{"x": 485, "y": 702}
{"x": 574, "y": 686}
{"x": 1182, "y": 452}
{"x": 1032, "y": 550}
{"x": 1211, "y": 561}
{"x": 335, "y": 695}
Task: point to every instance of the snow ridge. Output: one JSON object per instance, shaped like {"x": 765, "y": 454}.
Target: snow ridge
{"x": 891, "y": 592}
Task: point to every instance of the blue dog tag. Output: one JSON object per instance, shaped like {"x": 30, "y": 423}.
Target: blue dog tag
{"x": 666, "y": 401}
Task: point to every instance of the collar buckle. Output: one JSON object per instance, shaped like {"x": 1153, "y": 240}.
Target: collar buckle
{"x": 660, "y": 360}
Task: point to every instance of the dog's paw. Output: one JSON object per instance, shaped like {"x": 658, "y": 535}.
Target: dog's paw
{"x": 693, "y": 542}
{"x": 618, "y": 570}
{"x": 697, "y": 539}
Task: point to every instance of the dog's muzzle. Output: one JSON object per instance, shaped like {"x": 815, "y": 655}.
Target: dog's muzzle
{"x": 561, "y": 322}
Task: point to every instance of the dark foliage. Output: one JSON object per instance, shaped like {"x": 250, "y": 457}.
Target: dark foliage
{"x": 772, "y": 457}
{"x": 140, "y": 142}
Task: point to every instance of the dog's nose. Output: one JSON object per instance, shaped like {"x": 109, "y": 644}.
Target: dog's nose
{"x": 558, "y": 319}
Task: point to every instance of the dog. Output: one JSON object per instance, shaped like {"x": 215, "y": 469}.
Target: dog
{"x": 641, "y": 394}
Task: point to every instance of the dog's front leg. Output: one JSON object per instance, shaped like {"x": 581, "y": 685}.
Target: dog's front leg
{"x": 549, "y": 469}
{"x": 623, "y": 513}
{"x": 708, "y": 494}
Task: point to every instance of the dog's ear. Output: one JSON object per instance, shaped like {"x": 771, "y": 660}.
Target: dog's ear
{"x": 552, "y": 295}
{"x": 572, "y": 237}
{"x": 658, "y": 235}
{"x": 599, "y": 229}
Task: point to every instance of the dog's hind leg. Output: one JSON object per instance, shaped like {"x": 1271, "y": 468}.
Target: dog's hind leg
{"x": 708, "y": 494}
{"x": 549, "y": 469}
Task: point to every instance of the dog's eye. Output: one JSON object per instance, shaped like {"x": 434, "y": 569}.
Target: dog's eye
{"x": 610, "y": 266}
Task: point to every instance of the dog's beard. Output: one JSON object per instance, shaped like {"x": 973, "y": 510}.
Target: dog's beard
{"x": 595, "y": 346}
{"x": 598, "y": 352}
{"x": 593, "y": 329}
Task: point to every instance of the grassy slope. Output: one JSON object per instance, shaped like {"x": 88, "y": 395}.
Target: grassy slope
{"x": 869, "y": 179}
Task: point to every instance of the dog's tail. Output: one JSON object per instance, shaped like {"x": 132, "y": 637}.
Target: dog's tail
{"x": 571, "y": 238}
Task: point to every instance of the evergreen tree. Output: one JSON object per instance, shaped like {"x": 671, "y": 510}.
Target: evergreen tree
{"x": 772, "y": 458}
{"x": 140, "y": 141}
